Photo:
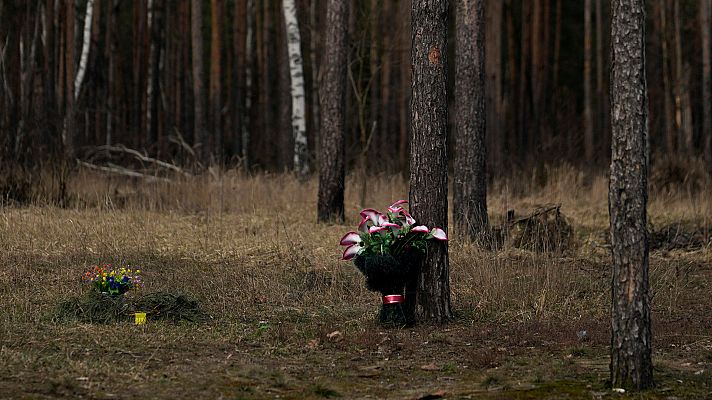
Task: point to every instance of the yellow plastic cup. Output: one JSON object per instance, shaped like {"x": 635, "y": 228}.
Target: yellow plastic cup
{"x": 140, "y": 318}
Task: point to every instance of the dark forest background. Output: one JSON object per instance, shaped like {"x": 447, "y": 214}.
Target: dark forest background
{"x": 547, "y": 74}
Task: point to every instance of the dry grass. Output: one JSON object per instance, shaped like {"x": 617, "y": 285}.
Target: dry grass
{"x": 249, "y": 249}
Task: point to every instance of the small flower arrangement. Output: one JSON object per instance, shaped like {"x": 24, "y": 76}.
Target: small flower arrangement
{"x": 392, "y": 233}
{"x": 388, "y": 249}
{"x": 103, "y": 279}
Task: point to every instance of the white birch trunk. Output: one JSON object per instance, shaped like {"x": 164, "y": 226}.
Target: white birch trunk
{"x": 297, "y": 77}
{"x": 86, "y": 42}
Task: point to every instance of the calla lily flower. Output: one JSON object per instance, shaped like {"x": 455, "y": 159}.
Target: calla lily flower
{"x": 409, "y": 220}
{"x": 375, "y": 229}
{"x": 395, "y": 210}
{"x": 371, "y": 214}
{"x": 420, "y": 229}
{"x": 395, "y": 228}
{"x": 382, "y": 220}
{"x": 438, "y": 234}
{"x": 363, "y": 225}
{"x": 350, "y": 238}
{"x": 397, "y": 203}
{"x": 351, "y": 251}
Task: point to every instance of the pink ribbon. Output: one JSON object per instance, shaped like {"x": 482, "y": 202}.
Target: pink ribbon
{"x": 393, "y": 299}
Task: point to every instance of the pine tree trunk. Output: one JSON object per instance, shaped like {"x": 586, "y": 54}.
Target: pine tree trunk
{"x": 683, "y": 115}
{"x": 333, "y": 112}
{"x": 239, "y": 37}
{"x": 470, "y": 186}
{"x": 631, "y": 335}
{"x": 602, "y": 109}
{"x": 301, "y": 165}
{"x": 285, "y": 135}
{"x": 200, "y": 133}
{"x": 215, "y": 90}
{"x": 155, "y": 28}
{"x": 250, "y": 63}
{"x": 587, "y": 111}
{"x": 50, "y": 67}
{"x": 667, "y": 86}
{"x": 68, "y": 131}
{"x": 705, "y": 10}
{"x": 428, "y": 166}
{"x": 493, "y": 81}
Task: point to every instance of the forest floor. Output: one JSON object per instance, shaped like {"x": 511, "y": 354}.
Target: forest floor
{"x": 289, "y": 320}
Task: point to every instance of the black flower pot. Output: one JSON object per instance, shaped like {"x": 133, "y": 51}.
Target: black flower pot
{"x": 388, "y": 275}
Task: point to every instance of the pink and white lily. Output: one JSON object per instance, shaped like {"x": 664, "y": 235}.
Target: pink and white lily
{"x": 420, "y": 229}
{"x": 438, "y": 234}
{"x": 371, "y": 214}
{"x": 353, "y": 242}
{"x": 350, "y": 238}
{"x": 351, "y": 252}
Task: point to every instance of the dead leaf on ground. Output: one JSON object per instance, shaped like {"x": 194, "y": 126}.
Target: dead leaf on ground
{"x": 335, "y": 336}
{"x": 430, "y": 367}
{"x": 313, "y": 344}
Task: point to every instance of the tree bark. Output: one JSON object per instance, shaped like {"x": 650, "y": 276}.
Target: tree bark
{"x": 470, "y": 186}
{"x": 683, "y": 114}
{"x": 250, "y": 63}
{"x": 285, "y": 134}
{"x": 705, "y": 10}
{"x": 332, "y": 101}
{"x": 68, "y": 131}
{"x": 155, "y": 28}
{"x": 215, "y": 86}
{"x": 86, "y": 45}
{"x": 631, "y": 364}
{"x": 428, "y": 167}
{"x": 667, "y": 86}
{"x": 493, "y": 80}
{"x": 200, "y": 133}
{"x": 301, "y": 165}
{"x": 587, "y": 111}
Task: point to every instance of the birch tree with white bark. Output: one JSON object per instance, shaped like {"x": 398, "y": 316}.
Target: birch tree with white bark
{"x": 86, "y": 44}
{"x": 296, "y": 72}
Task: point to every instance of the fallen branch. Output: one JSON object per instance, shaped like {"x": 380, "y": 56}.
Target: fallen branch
{"x": 142, "y": 157}
{"x": 116, "y": 170}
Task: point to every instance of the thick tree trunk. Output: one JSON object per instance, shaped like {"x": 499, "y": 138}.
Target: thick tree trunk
{"x": 628, "y": 194}
{"x": 587, "y": 111}
{"x": 705, "y": 10}
{"x": 470, "y": 186}
{"x": 200, "y": 133}
{"x": 428, "y": 165}
{"x": 215, "y": 91}
{"x": 301, "y": 165}
{"x": 333, "y": 112}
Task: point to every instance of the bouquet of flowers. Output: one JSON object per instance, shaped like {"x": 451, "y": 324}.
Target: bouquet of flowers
{"x": 387, "y": 249}
{"x": 103, "y": 279}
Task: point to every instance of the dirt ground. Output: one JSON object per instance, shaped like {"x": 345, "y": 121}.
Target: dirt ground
{"x": 289, "y": 320}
